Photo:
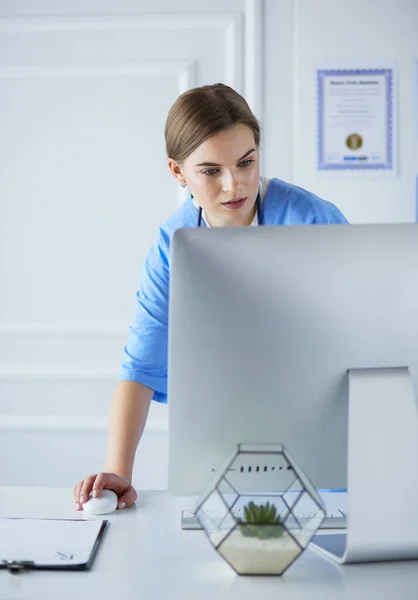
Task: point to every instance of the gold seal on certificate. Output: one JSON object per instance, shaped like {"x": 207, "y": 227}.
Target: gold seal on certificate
{"x": 354, "y": 141}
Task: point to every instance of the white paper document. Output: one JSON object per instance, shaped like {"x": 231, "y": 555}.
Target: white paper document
{"x": 48, "y": 542}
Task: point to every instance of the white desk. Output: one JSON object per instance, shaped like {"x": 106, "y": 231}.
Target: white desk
{"x": 145, "y": 555}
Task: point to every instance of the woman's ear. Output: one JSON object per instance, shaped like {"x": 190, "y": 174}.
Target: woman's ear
{"x": 175, "y": 168}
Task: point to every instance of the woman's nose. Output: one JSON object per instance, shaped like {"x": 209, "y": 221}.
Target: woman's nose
{"x": 229, "y": 182}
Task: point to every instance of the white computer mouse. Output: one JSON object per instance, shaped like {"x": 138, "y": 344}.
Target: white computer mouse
{"x": 106, "y": 503}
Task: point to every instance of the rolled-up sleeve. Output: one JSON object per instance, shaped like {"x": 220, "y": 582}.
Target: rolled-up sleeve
{"x": 146, "y": 351}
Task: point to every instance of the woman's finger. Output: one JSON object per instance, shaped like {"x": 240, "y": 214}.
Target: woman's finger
{"x": 77, "y": 494}
{"x": 128, "y": 498}
{"x": 86, "y": 489}
{"x": 101, "y": 482}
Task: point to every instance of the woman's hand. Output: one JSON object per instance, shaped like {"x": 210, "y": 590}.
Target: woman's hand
{"x": 92, "y": 487}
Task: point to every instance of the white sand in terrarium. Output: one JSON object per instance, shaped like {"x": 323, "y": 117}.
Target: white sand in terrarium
{"x": 250, "y": 555}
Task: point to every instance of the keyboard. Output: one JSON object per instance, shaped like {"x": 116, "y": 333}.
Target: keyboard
{"x": 332, "y": 520}
{"x": 336, "y": 513}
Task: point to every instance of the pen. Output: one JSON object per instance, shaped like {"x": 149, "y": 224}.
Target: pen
{"x": 17, "y": 566}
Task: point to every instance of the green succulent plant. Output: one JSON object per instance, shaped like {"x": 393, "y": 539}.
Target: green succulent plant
{"x": 261, "y": 521}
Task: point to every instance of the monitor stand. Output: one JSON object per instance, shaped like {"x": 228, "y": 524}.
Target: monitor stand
{"x": 382, "y": 478}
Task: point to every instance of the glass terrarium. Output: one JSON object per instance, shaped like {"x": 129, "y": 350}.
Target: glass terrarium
{"x": 260, "y": 510}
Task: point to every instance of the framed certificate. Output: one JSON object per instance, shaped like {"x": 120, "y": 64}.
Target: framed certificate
{"x": 416, "y": 200}
{"x": 355, "y": 119}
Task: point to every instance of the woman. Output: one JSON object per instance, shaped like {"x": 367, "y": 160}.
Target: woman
{"x": 212, "y": 141}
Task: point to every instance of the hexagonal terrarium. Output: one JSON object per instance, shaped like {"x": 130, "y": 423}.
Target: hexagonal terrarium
{"x": 260, "y": 510}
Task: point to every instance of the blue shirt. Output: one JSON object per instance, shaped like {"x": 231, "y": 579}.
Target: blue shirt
{"x": 146, "y": 352}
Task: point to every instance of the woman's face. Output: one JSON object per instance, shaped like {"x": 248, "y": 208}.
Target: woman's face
{"x": 223, "y": 176}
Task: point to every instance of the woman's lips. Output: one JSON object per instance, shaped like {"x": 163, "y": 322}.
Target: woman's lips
{"x": 235, "y": 204}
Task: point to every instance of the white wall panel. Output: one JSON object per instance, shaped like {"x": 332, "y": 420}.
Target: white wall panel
{"x": 85, "y": 88}
{"x": 59, "y": 456}
{"x": 91, "y": 344}
{"x": 358, "y": 34}
{"x": 89, "y": 160}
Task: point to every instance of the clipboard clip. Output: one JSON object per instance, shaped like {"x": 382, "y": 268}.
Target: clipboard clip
{"x": 17, "y": 566}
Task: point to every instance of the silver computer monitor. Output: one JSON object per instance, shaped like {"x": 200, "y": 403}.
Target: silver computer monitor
{"x": 264, "y": 324}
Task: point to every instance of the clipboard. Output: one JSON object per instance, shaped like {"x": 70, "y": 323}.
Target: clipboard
{"x": 49, "y": 544}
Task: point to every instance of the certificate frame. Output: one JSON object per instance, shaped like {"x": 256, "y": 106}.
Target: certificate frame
{"x": 387, "y": 165}
{"x": 416, "y": 199}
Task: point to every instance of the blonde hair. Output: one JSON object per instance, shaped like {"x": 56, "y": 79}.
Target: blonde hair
{"x": 200, "y": 113}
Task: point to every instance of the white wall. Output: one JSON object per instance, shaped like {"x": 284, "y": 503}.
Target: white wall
{"x": 300, "y": 36}
{"x": 60, "y": 345}
{"x": 85, "y": 87}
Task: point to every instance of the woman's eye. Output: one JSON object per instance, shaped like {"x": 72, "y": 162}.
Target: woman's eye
{"x": 243, "y": 164}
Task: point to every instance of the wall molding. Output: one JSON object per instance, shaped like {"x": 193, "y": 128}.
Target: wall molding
{"x": 63, "y": 327}
{"x": 71, "y": 424}
{"x": 108, "y": 23}
{"x": 254, "y": 72}
{"x": 187, "y": 76}
{"x": 232, "y": 24}
{"x": 242, "y": 48}
{"x": 97, "y": 69}
{"x": 58, "y": 373}
{"x": 234, "y": 47}
{"x": 187, "y": 80}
